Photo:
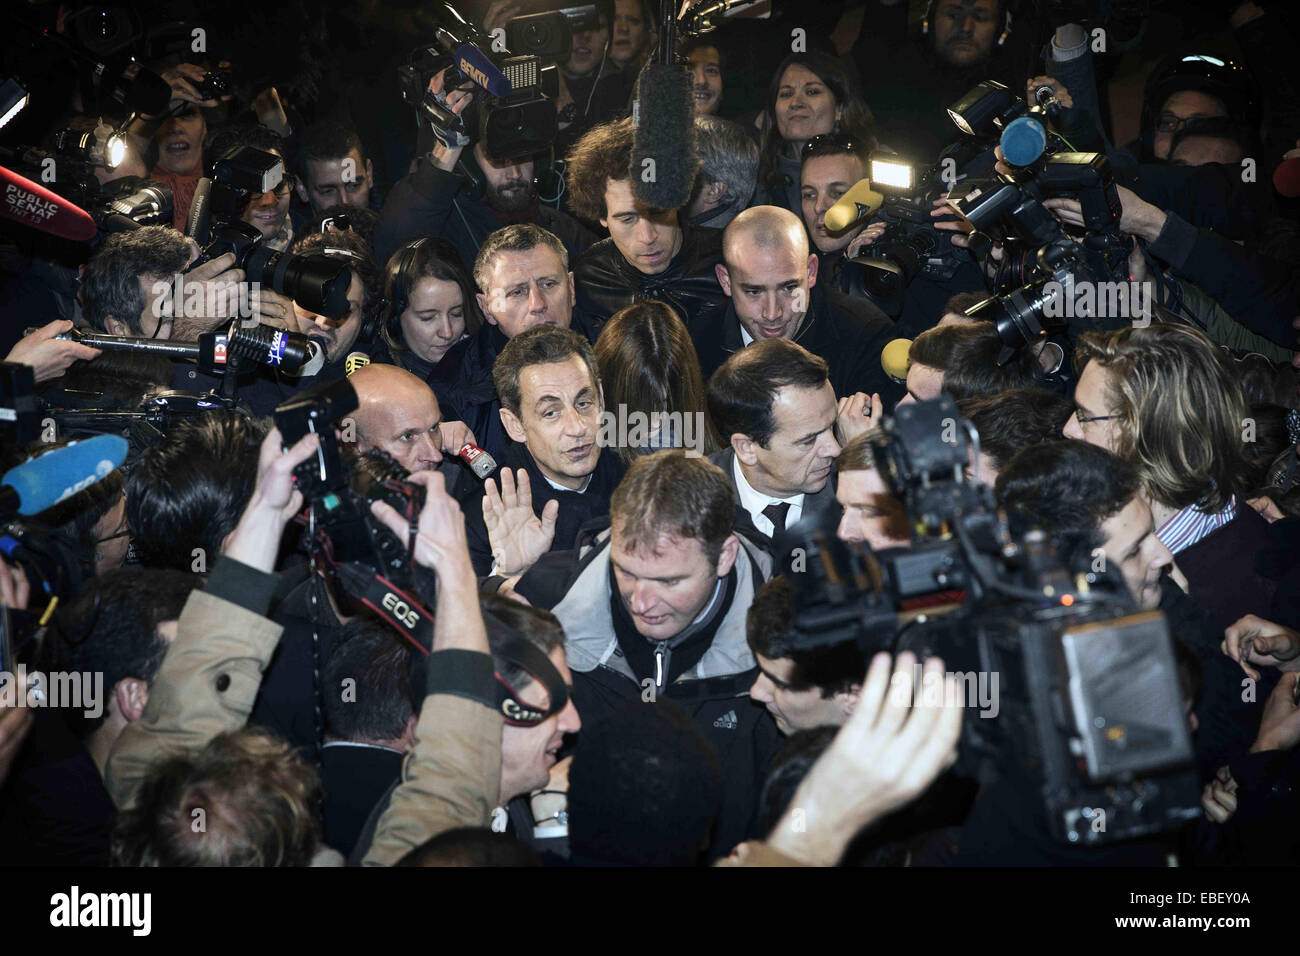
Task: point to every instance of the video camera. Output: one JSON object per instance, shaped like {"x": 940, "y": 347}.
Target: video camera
{"x": 515, "y": 119}
{"x": 910, "y": 245}
{"x": 370, "y": 565}
{"x": 1088, "y": 697}
{"x": 317, "y": 283}
{"x": 121, "y": 204}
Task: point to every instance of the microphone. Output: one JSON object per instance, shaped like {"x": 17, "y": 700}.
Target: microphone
{"x": 858, "y": 203}
{"x": 1023, "y": 141}
{"x": 665, "y": 159}
{"x": 33, "y": 205}
{"x": 1286, "y": 178}
{"x": 478, "y": 460}
{"x": 43, "y": 482}
{"x": 354, "y": 361}
{"x": 289, "y": 352}
{"x": 893, "y": 359}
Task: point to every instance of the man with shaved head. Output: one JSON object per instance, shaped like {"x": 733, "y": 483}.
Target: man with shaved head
{"x": 770, "y": 277}
{"x": 398, "y": 413}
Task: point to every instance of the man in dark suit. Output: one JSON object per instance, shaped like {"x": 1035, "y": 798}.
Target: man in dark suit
{"x": 774, "y": 404}
{"x": 369, "y": 724}
{"x": 770, "y": 278}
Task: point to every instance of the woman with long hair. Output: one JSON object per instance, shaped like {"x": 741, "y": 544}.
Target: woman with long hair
{"x": 652, "y": 381}
{"x": 811, "y": 94}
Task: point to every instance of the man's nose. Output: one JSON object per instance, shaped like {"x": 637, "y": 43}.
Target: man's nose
{"x": 761, "y": 689}
{"x": 536, "y": 301}
{"x": 771, "y": 306}
{"x": 429, "y": 450}
{"x": 646, "y": 231}
{"x": 828, "y": 447}
{"x": 1072, "y": 427}
{"x": 570, "y": 721}
{"x": 848, "y": 529}
{"x": 642, "y": 597}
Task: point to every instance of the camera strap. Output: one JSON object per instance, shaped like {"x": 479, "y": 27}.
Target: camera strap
{"x": 522, "y": 653}
{"x": 402, "y": 611}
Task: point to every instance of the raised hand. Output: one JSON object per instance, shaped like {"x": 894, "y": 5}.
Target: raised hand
{"x": 518, "y": 536}
{"x": 1253, "y": 640}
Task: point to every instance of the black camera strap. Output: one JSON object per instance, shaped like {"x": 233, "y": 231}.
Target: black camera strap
{"x": 522, "y": 653}
{"x": 402, "y": 611}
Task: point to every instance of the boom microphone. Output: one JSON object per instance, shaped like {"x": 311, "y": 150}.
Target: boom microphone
{"x": 858, "y": 203}
{"x": 33, "y": 205}
{"x": 43, "y": 482}
{"x": 665, "y": 160}
{"x": 289, "y": 352}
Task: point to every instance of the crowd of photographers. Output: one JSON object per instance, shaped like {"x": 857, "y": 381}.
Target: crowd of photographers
{"x": 508, "y": 570}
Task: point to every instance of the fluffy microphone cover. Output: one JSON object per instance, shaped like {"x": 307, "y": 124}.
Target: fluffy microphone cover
{"x": 664, "y": 116}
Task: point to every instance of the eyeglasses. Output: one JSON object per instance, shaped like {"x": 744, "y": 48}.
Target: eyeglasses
{"x": 831, "y": 142}
{"x": 1095, "y": 418}
{"x": 1169, "y": 123}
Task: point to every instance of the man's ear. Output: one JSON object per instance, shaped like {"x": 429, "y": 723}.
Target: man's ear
{"x": 727, "y": 559}
{"x": 131, "y": 694}
{"x": 813, "y": 262}
{"x": 724, "y": 278}
{"x": 744, "y": 447}
{"x": 847, "y": 700}
{"x": 487, "y": 313}
{"x": 514, "y": 427}
{"x": 301, "y": 189}
{"x": 113, "y": 327}
{"x": 715, "y": 192}
{"x": 370, "y": 174}
{"x": 573, "y": 292}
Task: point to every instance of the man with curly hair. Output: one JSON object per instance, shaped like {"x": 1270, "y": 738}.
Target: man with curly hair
{"x": 649, "y": 254}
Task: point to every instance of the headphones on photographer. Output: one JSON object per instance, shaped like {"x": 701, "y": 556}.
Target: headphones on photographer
{"x": 1006, "y": 20}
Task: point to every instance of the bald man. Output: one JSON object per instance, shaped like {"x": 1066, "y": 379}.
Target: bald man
{"x": 770, "y": 278}
{"x": 398, "y": 413}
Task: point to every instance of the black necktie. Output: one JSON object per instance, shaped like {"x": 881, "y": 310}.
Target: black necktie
{"x": 776, "y": 514}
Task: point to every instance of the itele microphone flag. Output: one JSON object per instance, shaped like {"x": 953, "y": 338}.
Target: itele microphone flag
{"x": 33, "y": 205}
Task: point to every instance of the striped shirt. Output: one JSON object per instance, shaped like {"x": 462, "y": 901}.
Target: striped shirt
{"x": 1191, "y": 524}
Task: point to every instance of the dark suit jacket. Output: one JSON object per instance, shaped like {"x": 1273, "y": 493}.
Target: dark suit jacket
{"x": 848, "y": 333}
{"x": 744, "y": 523}
{"x": 354, "y": 779}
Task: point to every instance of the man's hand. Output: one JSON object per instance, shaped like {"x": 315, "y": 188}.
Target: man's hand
{"x": 440, "y": 542}
{"x": 1266, "y": 508}
{"x": 49, "y": 357}
{"x": 1219, "y": 798}
{"x": 1279, "y": 728}
{"x": 865, "y": 238}
{"x": 218, "y": 304}
{"x": 858, "y": 413}
{"x": 272, "y": 308}
{"x": 499, "y": 13}
{"x": 1138, "y": 218}
{"x": 442, "y": 155}
{"x": 276, "y": 499}
{"x": 1253, "y": 640}
{"x": 517, "y": 535}
{"x": 885, "y": 756}
{"x": 1058, "y": 89}
{"x": 183, "y": 79}
{"x": 455, "y": 436}
{"x": 270, "y": 111}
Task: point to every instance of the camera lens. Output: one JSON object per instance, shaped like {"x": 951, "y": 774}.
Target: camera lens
{"x": 317, "y": 283}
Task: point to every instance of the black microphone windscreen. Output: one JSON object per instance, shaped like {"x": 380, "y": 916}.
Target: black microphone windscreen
{"x": 664, "y": 156}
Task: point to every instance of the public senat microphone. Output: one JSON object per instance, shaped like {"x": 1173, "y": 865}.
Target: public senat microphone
{"x": 478, "y": 460}
{"x": 665, "y": 160}
{"x": 1286, "y": 178}
{"x": 33, "y": 205}
{"x": 893, "y": 359}
{"x": 858, "y": 203}
{"x": 43, "y": 482}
